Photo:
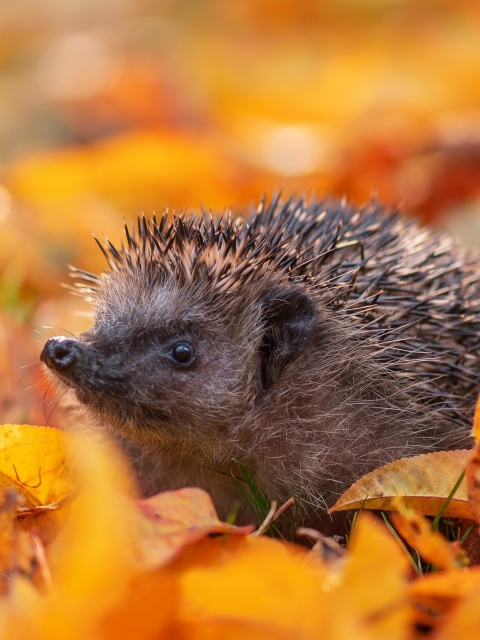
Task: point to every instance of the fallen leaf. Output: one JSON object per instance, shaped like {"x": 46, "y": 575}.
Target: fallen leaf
{"x": 464, "y": 620}
{"x": 251, "y": 584}
{"x": 46, "y": 523}
{"x": 476, "y": 421}
{"x": 34, "y": 462}
{"x": 173, "y": 519}
{"x": 92, "y": 561}
{"x": 448, "y": 585}
{"x": 472, "y": 475}
{"x": 431, "y": 545}
{"x": 16, "y": 549}
{"x": 424, "y": 481}
{"x": 146, "y": 612}
{"x": 436, "y": 594}
{"x": 372, "y": 597}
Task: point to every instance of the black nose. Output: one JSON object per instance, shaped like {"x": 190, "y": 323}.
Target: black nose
{"x": 59, "y": 353}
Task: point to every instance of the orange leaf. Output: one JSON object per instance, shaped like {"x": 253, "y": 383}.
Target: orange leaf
{"x": 256, "y": 588}
{"x": 425, "y": 481}
{"x": 373, "y": 594}
{"x": 476, "y": 421}
{"x": 251, "y": 584}
{"x": 464, "y": 621}
{"x": 146, "y": 612}
{"x": 431, "y": 545}
{"x": 472, "y": 475}
{"x": 16, "y": 548}
{"x": 447, "y": 586}
{"x": 174, "y": 519}
{"x": 46, "y": 523}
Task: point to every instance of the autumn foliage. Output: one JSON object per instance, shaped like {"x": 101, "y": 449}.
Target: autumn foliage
{"x": 81, "y": 557}
{"x": 110, "y": 108}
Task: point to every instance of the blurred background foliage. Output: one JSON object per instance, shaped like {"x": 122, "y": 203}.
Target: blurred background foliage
{"x": 108, "y": 108}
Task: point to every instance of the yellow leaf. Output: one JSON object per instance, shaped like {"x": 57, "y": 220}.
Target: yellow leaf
{"x": 425, "y": 481}
{"x": 92, "y": 561}
{"x": 34, "y": 462}
{"x": 239, "y": 587}
{"x": 145, "y": 168}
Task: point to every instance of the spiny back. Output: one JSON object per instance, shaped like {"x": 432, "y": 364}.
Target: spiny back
{"x": 415, "y": 293}
{"x": 412, "y": 295}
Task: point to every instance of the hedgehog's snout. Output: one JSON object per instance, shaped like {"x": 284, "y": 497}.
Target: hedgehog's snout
{"x": 60, "y": 353}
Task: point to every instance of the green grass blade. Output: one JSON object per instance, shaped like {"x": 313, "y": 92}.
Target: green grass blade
{"x": 416, "y": 568}
{"x": 436, "y": 520}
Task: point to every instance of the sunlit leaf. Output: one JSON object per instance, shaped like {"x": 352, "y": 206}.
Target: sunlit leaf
{"x": 92, "y": 562}
{"x": 34, "y": 462}
{"x": 217, "y": 589}
{"x": 372, "y": 597}
{"x": 436, "y": 594}
{"x": 425, "y": 482}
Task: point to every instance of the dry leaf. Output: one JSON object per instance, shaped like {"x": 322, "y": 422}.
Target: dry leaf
{"x": 437, "y": 594}
{"x": 146, "y": 612}
{"x": 476, "y": 421}
{"x": 472, "y": 475}
{"x": 174, "y": 519}
{"x": 425, "y": 481}
{"x": 464, "y": 621}
{"x": 247, "y": 583}
{"x": 92, "y": 561}
{"x": 450, "y": 585}
{"x": 431, "y": 545}
{"x": 34, "y": 462}
{"x": 16, "y": 549}
{"x": 373, "y": 596}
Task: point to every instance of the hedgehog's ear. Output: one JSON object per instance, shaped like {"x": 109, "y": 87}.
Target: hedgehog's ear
{"x": 289, "y": 318}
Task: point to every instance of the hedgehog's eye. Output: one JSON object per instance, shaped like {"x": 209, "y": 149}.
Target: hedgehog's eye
{"x": 183, "y": 352}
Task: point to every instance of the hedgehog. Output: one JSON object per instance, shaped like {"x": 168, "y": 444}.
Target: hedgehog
{"x": 311, "y": 341}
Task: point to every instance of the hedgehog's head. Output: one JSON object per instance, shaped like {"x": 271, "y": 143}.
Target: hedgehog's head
{"x": 194, "y": 323}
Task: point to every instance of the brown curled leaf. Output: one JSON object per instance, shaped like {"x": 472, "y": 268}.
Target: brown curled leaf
{"x": 425, "y": 482}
